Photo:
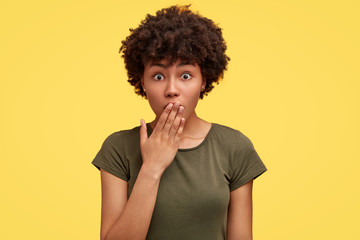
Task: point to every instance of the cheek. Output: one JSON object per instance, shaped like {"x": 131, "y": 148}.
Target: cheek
{"x": 192, "y": 100}
{"x": 155, "y": 105}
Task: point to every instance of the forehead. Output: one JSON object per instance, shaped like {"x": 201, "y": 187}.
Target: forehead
{"x": 164, "y": 63}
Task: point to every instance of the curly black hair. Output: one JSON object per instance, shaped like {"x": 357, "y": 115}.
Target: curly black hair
{"x": 175, "y": 33}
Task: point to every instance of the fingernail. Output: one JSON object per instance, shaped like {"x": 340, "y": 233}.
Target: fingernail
{"x": 181, "y": 109}
{"x": 170, "y": 106}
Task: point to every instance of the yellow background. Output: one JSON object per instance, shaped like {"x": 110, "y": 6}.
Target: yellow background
{"x": 292, "y": 87}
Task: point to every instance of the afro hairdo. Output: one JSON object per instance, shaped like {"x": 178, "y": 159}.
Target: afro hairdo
{"x": 175, "y": 33}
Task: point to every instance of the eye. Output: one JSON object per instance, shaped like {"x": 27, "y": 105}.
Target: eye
{"x": 186, "y": 76}
{"x": 158, "y": 76}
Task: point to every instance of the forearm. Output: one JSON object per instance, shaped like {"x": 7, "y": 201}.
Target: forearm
{"x": 134, "y": 221}
{"x": 158, "y": 151}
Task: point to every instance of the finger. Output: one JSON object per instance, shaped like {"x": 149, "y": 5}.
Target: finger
{"x": 162, "y": 120}
{"x": 170, "y": 120}
{"x": 143, "y": 132}
{"x": 175, "y": 126}
{"x": 180, "y": 130}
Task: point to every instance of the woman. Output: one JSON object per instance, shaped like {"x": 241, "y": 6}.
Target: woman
{"x": 179, "y": 176}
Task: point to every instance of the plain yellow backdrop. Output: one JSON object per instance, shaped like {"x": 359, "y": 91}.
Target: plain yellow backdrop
{"x": 292, "y": 87}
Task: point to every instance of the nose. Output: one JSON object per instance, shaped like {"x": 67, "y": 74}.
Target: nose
{"x": 171, "y": 89}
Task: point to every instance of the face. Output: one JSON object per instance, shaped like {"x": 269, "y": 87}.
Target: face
{"x": 181, "y": 82}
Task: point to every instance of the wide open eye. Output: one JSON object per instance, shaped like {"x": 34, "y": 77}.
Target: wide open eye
{"x": 186, "y": 76}
{"x": 158, "y": 76}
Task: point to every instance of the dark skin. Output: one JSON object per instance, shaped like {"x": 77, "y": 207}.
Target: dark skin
{"x": 181, "y": 84}
{"x": 173, "y": 97}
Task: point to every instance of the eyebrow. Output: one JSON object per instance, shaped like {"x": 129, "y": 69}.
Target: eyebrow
{"x": 179, "y": 65}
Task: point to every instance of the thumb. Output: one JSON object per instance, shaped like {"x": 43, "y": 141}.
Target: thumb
{"x": 143, "y": 132}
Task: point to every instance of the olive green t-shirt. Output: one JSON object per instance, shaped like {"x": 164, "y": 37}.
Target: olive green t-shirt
{"x": 194, "y": 191}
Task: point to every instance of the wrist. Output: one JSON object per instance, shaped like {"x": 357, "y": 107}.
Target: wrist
{"x": 151, "y": 172}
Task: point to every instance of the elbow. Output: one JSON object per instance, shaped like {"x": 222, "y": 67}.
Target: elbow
{"x": 106, "y": 236}
{"x": 110, "y": 236}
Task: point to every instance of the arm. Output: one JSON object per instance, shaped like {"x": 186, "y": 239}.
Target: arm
{"x": 114, "y": 198}
{"x": 240, "y": 213}
{"x": 131, "y": 219}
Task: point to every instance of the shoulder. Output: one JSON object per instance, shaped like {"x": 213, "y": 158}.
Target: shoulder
{"x": 232, "y": 137}
{"x": 121, "y": 137}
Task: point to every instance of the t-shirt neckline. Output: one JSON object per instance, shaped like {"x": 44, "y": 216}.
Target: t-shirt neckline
{"x": 187, "y": 149}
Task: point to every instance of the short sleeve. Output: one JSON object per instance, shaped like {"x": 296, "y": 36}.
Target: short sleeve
{"x": 110, "y": 157}
{"x": 246, "y": 164}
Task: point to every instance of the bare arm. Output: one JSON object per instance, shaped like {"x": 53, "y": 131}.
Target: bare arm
{"x": 240, "y": 213}
{"x": 134, "y": 220}
{"x": 114, "y": 198}
{"x": 158, "y": 151}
